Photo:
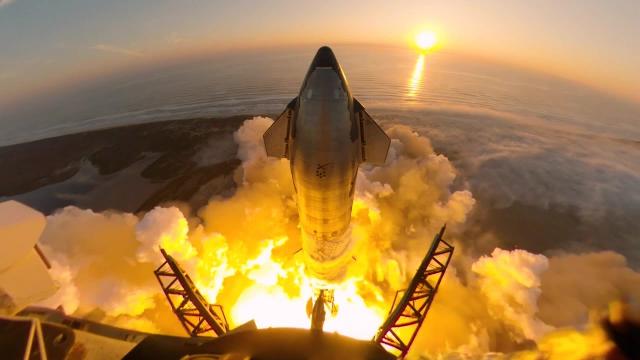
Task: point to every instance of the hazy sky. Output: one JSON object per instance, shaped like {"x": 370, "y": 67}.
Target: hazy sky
{"x": 46, "y": 42}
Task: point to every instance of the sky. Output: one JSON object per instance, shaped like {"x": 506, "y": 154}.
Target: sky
{"x": 49, "y": 43}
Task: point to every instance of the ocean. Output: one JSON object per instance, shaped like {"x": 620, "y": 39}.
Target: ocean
{"x": 387, "y": 80}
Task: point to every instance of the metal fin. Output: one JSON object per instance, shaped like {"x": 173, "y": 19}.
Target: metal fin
{"x": 375, "y": 143}
{"x": 276, "y": 138}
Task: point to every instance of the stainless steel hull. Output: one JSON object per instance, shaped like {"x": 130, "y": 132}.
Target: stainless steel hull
{"x": 326, "y": 134}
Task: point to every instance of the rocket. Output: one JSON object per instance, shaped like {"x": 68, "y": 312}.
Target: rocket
{"x": 326, "y": 134}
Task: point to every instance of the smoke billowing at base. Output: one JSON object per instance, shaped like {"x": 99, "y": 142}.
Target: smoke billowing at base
{"x": 242, "y": 252}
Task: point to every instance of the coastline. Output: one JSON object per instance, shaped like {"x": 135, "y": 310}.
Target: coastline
{"x": 140, "y": 165}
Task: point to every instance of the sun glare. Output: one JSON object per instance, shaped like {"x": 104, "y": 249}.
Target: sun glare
{"x": 426, "y": 40}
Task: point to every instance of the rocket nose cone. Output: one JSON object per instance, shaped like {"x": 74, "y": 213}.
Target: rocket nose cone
{"x": 325, "y": 58}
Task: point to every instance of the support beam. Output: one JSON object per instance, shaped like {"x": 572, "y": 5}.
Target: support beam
{"x": 197, "y": 316}
{"x": 405, "y": 319}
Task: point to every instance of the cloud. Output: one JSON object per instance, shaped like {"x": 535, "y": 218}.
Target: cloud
{"x": 5, "y": 2}
{"x": 519, "y": 158}
{"x": 116, "y": 49}
{"x": 550, "y": 186}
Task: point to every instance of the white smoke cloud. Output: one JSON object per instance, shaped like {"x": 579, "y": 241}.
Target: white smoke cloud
{"x": 527, "y": 306}
{"x": 163, "y": 228}
{"x": 510, "y": 281}
{"x": 578, "y": 285}
{"x": 94, "y": 261}
{"x": 67, "y": 295}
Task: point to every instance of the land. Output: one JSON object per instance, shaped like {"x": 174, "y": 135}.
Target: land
{"x": 131, "y": 168}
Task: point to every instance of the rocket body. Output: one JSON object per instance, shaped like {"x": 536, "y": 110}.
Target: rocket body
{"x": 326, "y": 134}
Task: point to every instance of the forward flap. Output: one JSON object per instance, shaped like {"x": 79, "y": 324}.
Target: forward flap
{"x": 276, "y": 138}
{"x": 375, "y": 143}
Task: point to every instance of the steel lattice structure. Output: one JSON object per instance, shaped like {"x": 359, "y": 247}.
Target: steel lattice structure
{"x": 197, "y": 316}
{"x": 404, "y": 320}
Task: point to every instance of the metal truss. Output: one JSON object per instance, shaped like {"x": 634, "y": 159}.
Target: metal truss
{"x": 401, "y": 327}
{"x": 22, "y": 338}
{"x": 197, "y": 316}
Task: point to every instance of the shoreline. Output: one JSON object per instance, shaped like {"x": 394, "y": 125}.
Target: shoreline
{"x": 124, "y": 168}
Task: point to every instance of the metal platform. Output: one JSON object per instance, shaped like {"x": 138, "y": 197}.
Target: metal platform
{"x": 197, "y": 316}
{"x": 404, "y": 321}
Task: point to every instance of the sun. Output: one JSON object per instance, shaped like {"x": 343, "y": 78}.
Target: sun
{"x": 426, "y": 40}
